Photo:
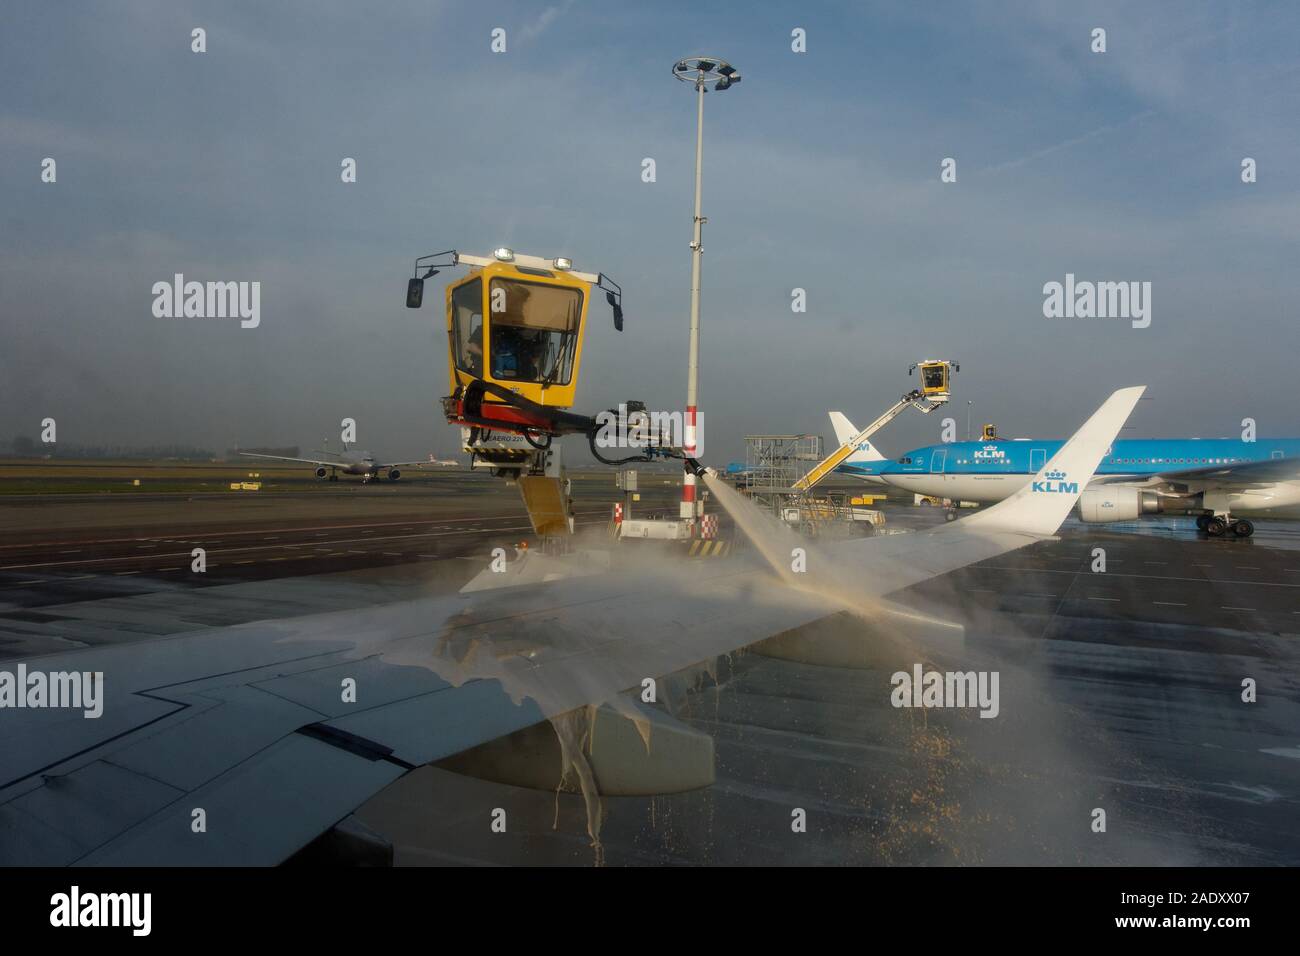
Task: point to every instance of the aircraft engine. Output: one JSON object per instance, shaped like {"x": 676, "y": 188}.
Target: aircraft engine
{"x": 1117, "y": 503}
{"x": 322, "y": 472}
{"x": 394, "y": 474}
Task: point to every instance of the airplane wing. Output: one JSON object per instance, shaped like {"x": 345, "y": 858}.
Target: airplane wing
{"x": 402, "y": 464}
{"x": 250, "y": 730}
{"x": 1245, "y": 472}
{"x": 304, "y": 461}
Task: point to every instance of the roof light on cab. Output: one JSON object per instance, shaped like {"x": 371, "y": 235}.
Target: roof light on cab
{"x": 504, "y": 254}
{"x": 562, "y": 264}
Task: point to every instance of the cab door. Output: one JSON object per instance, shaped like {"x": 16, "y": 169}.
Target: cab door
{"x": 938, "y": 461}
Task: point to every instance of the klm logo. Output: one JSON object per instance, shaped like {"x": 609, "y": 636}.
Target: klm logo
{"x": 1054, "y": 482}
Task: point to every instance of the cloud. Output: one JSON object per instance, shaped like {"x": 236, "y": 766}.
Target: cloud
{"x": 539, "y": 26}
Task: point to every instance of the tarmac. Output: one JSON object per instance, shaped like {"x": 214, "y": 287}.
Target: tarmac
{"x": 1121, "y": 690}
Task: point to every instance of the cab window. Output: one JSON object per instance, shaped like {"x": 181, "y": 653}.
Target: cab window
{"x": 467, "y": 327}
{"x": 534, "y": 333}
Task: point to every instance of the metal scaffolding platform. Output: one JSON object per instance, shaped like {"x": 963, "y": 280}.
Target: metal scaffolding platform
{"x": 774, "y": 463}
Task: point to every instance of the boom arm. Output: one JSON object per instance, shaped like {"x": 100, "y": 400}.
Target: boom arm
{"x": 838, "y": 456}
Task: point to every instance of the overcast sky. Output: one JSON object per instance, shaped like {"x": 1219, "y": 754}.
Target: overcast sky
{"x": 822, "y": 171}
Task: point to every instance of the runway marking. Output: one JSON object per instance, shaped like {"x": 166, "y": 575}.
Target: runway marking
{"x": 1170, "y": 603}
{"x": 1227, "y": 608}
{"x": 1112, "y": 600}
{"x": 1152, "y": 577}
{"x": 249, "y": 561}
{"x": 1041, "y": 595}
{"x": 169, "y": 569}
{"x": 332, "y": 527}
{"x": 125, "y": 572}
{"x": 77, "y": 551}
{"x": 273, "y": 547}
{"x": 1246, "y": 567}
{"x": 434, "y": 556}
{"x": 392, "y": 554}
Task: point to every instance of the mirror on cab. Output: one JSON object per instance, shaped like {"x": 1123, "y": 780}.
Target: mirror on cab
{"x": 414, "y": 293}
{"x": 618, "y": 310}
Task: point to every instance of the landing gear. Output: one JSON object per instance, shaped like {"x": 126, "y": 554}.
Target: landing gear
{"x": 950, "y": 515}
{"x": 1217, "y": 526}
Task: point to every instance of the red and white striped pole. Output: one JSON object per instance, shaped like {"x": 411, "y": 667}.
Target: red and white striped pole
{"x": 704, "y": 73}
{"x": 689, "y": 491}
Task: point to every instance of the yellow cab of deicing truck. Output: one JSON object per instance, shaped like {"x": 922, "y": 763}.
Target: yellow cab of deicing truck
{"x": 519, "y": 325}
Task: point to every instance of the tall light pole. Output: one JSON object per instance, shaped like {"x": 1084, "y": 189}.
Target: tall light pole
{"x": 705, "y": 73}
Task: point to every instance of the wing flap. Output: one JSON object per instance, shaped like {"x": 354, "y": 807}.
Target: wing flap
{"x": 263, "y": 810}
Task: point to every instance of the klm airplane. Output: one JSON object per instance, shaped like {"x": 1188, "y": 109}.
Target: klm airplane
{"x": 1216, "y": 479}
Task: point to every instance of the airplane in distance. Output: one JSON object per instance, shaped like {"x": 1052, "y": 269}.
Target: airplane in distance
{"x": 357, "y": 463}
{"x": 1219, "y": 480}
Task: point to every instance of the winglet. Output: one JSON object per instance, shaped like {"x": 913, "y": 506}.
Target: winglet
{"x": 1042, "y": 504}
